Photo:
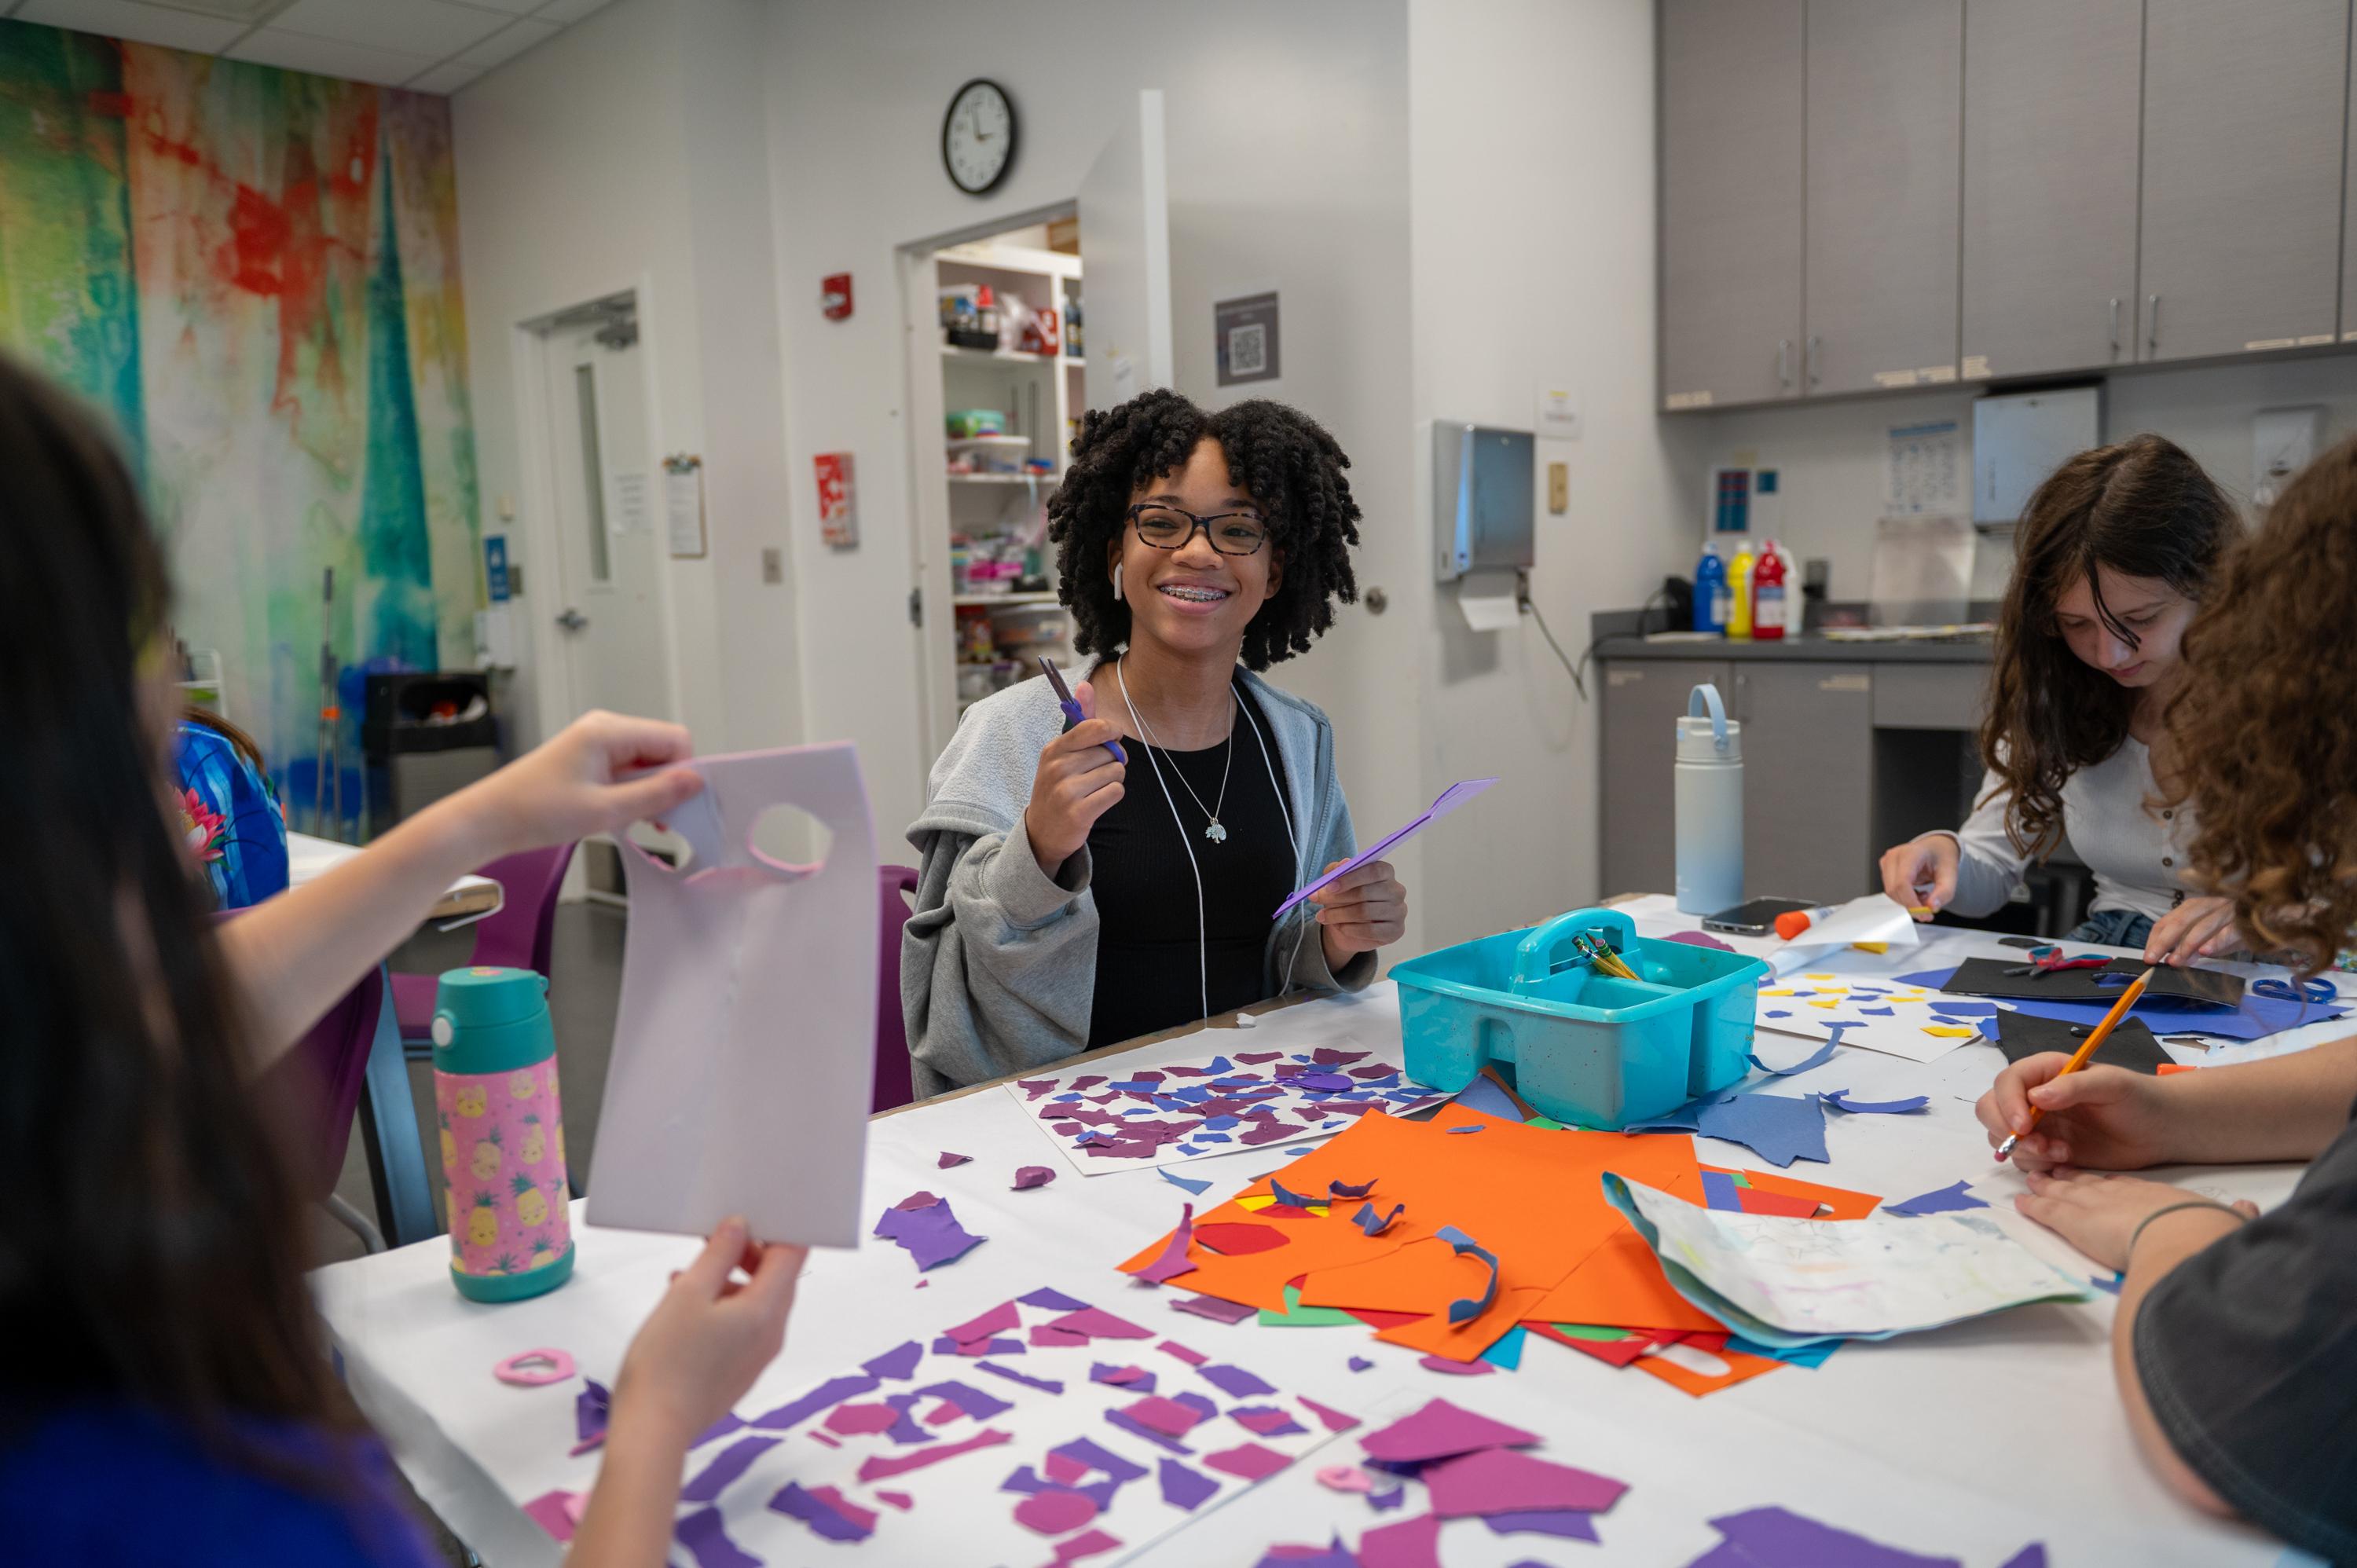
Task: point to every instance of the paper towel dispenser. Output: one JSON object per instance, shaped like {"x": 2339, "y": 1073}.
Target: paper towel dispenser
{"x": 1483, "y": 509}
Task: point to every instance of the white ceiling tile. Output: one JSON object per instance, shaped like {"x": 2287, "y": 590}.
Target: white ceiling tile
{"x": 328, "y": 57}
{"x": 128, "y": 19}
{"x": 444, "y": 78}
{"x": 434, "y": 28}
{"x": 512, "y": 41}
{"x": 569, "y": 10}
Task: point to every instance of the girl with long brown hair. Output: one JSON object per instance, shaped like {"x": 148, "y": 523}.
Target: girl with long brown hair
{"x": 2112, "y": 556}
{"x": 165, "y": 1394}
{"x": 2235, "y": 1342}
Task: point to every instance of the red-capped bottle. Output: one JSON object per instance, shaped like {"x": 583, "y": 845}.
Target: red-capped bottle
{"x": 1768, "y": 601}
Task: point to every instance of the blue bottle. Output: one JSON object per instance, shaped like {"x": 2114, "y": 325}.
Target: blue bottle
{"x": 1711, "y": 599}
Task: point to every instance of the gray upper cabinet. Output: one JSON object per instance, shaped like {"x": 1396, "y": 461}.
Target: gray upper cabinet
{"x": 2051, "y": 99}
{"x": 2245, "y": 110}
{"x": 1885, "y": 136}
{"x": 1730, "y": 144}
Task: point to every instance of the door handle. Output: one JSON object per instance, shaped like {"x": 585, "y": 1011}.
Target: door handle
{"x": 572, "y": 620}
{"x": 1783, "y": 362}
{"x": 1816, "y": 346}
{"x": 2115, "y": 324}
{"x": 2152, "y": 322}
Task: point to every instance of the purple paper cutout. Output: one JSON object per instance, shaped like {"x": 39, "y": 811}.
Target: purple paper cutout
{"x": 1099, "y": 1323}
{"x": 1351, "y": 1189}
{"x": 2030, "y": 1556}
{"x": 1029, "y": 1176}
{"x": 1218, "y": 1311}
{"x": 833, "y": 1391}
{"x": 949, "y": 1160}
{"x": 817, "y": 1512}
{"x": 1183, "y": 1487}
{"x": 1383, "y": 1502}
{"x": 1285, "y": 1195}
{"x": 974, "y": 1401}
{"x": 1698, "y": 940}
{"x": 1563, "y": 1524}
{"x": 930, "y": 1233}
{"x": 701, "y": 1533}
{"x": 1054, "y": 1300}
{"x": 1467, "y": 1127}
{"x": 1778, "y": 1538}
{"x": 1045, "y": 1385}
{"x": 592, "y": 1407}
{"x": 1817, "y": 1058}
{"x": 945, "y": 1346}
{"x": 1097, "y": 1457}
{"x": 1450, "y": 799}
{"x": 1359, "y": 1363}
{"x": 1137, "y": 1428}
{"x": 725, "y": 1467}
{"x": 728, "y": 1423}
{"x": 1289, "y": 1557}
{"x": 899, "y": 1363}
{"x": 1235, "y": 1382}
{"x": 1173, "y": 1260}
{"x": 1374, "y": 1224}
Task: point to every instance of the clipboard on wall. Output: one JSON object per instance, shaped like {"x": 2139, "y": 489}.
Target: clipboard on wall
{"x": 684, "y": 506}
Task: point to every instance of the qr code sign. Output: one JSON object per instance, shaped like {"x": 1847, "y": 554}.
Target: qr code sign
{"x": 1248, "y": 350}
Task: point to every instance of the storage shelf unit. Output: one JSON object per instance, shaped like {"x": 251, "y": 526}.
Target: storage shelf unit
{"x": 1038, "y": 396}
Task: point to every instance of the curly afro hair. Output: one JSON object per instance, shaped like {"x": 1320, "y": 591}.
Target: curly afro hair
{"x": 1280, "y": 456}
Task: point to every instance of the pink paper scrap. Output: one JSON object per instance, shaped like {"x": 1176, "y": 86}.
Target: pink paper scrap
{"x": 1172, "y": 1347}
{"x": 1099, "y": 1323}
{"x": 1000, "y": 1319}
{"x": 1439, "y": 1430}
{"x": 1248, "y": 1461}
{"x": 1029, "y": 1176}
{"x": 901, "y": 1501}
{"x": 1173, "y": 1260}
{"x": 1500, "y": 1480}
{"x": 1267, "y": 1420}
{"x": 1345, "y": 1478}
{"x": 1410, "y": 1543}
{"x": 1454, "y": 1368}
{"x": 1090, "y": 1542}
{"x": 1164, "y": 1416}
{"x": 1046, "y": 1337}
{"x": 1053, "y": 1510}
{"x": 549, "y": 1511}
{"x": 949, "y": 1160}
{"x": 1215, "y": 1309}
{"x": 1335, "y": 1419}
{"x": 884, "y": 1466}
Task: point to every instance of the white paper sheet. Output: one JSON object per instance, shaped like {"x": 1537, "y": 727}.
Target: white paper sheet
{"x": 744, "y": 1045}
{"x": 1874, "y": 1276}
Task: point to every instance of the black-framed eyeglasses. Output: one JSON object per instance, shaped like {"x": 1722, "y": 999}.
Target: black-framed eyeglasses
{"x": 1170, "y": 527}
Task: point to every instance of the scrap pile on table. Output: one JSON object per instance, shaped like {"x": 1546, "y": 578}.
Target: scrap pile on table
{"x": 1435, "y": 1235}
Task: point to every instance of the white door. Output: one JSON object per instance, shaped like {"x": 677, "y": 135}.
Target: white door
{"x": 608, "y": 617}
{"x": 1125, "y": 240}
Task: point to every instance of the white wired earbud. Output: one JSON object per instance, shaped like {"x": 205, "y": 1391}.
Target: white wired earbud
{"x": 1269, "y": 763}
{"x": 1117, "y": 581}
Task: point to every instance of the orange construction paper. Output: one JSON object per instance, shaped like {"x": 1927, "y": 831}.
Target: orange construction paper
{"x": 1847, "y": 1205}
{"x": 1436, "y": 1335}
{"x": 1620, "y": 1285}
{"x": 1742, "y": 1366}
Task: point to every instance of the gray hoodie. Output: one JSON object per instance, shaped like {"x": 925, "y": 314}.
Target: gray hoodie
{"x": 998, "y": 965}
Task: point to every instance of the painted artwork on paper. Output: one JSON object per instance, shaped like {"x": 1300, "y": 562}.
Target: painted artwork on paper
{"x": 254, "y": 272}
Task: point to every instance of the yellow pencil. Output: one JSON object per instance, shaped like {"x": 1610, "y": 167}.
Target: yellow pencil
{"x": 2079, "y": 1057}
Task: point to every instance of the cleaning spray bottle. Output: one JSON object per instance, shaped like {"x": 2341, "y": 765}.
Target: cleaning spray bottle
{"x": 1738, "y": 589}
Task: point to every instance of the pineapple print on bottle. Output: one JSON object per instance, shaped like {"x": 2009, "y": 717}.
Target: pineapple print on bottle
{"x": 502, "y": 1134}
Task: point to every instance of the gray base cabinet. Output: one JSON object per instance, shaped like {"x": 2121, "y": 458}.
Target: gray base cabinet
{"x": 1808, "y": 779}
{"x": 1638, "y": 708}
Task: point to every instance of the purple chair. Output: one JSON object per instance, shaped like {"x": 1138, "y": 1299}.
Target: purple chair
{"x": 894, "y": 1085}
{"x": 516, "y": 935}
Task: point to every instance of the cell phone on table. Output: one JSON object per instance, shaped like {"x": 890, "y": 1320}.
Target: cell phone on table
{"x": 1756, "y": 919}
{"x": 1065, "y": 701}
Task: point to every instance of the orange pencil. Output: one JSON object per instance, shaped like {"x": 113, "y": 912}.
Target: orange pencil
{"x": 2079, "y": 1057}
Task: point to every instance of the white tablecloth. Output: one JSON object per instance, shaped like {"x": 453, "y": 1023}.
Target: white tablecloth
{"x": 1969, "y": 1439}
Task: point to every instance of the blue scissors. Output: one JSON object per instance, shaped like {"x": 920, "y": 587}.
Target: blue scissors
{"x": 2307, "y": 991}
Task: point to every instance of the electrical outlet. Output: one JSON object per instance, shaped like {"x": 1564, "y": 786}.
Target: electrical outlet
{"x": 1558, "y": 488}
{"x": 774, "y": 565}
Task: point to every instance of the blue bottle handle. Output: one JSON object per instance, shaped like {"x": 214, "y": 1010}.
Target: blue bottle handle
{"x": 1708, "y": 694}
{"x": 1534, "y": 958}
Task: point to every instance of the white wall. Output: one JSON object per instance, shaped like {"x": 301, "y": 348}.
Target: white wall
{"x": 1832, "y": 454}
{"x": 628, "y": 151}
{"x": 1288, "y": 152}
{"x": 1531, "y": 197}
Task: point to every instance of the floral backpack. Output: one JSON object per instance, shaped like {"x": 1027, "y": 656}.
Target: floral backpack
{"x": 229, "y": 814}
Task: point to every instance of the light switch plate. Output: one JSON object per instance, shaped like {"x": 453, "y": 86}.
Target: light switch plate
{"x": 1558, "y": 488}
{"x": 773, "y": 564}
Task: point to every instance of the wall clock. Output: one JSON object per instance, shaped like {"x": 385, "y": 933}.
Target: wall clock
{"x": 978, "y": 137}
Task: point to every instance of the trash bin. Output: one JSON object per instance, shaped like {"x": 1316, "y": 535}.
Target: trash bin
{"x": 425, "y": 734}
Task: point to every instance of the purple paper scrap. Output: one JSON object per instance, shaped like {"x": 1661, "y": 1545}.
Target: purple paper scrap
{"x": 1045, "y": 1385}
{"x": 833, "y": 1391}
{"x": 899, "y": 1363}
{"x": 1183, "y": 1487}
{"x": 725, "y": 1467}
{"x": 1778, "y": 1538}
{"x": 701, "y": 1533}
{"x": 815, "y": 1512}
{"x": 1563, "y": 1524}
{"x": 1055, "y": 1300}
{"x": 1235, "y": 1381}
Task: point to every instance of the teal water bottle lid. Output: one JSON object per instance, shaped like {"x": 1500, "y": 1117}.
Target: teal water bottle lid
{"x": 487, "y": 1019}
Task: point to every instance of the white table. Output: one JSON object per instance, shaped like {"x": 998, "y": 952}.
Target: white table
{"x": 307, "y": 858}
{"x": 2013, "y": 1417}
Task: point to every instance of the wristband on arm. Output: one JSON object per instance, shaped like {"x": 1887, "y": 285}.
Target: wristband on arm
{"x": 2138, "y": 1234}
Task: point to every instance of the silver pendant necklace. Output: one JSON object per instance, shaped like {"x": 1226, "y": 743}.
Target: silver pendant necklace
{"x": 1214, "y": 832}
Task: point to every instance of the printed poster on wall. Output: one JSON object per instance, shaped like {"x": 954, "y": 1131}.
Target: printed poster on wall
{"x": 1244, "y": 338}
{"x": 684, "y": 505}
{"x": 838, "y": 512}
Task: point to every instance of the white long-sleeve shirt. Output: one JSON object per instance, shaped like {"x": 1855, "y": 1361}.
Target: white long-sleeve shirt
{"x": 2135, "y": 848}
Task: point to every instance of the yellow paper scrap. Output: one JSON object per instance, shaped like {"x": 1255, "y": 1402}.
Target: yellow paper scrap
{"x": 1818, "y": 977}
{"x": 1787, "y": 992}
{"x": 1949, "y": 1031}
{"x": 1871, "y": 947}
{"x": 1834, "y": 1004}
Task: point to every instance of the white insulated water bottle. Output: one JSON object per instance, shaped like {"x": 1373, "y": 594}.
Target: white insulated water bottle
{"x": 1709, "y": 806}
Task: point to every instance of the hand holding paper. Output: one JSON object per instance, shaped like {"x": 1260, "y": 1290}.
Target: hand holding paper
{"x": 1450, "y": 799}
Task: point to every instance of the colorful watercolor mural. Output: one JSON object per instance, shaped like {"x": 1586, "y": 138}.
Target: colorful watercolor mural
{"x": 256, "y": 272}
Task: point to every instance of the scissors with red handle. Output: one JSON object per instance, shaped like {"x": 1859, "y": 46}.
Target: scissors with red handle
{"x": 2050, "y": 961}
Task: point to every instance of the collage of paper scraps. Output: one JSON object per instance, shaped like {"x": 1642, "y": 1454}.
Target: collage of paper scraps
{"x": 1213, "y": 1105}
{"x": 1425, "y": 1232}
{"x": 1045, "y": 1427}
{"x": 1890, "y": 1017}
{"x": 1422, "y": 1470}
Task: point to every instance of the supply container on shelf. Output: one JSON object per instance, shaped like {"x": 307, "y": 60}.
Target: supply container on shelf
{"x": 1031, "y": 625}
{"x": 1584, "y": 1046}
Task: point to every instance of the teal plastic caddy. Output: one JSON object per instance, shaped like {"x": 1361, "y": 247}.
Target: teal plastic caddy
{"x": 1585, "y": 1048}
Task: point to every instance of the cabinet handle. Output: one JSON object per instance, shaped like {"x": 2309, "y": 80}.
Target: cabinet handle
{"x": 2152, "y": 322}
{"x": 2115, "y": 324}
{"x": 1783, "y": 362}
{"x": 1816, "y": 344}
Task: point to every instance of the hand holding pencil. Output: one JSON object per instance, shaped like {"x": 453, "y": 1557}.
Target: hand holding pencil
{"x": 2020, "y": 1127}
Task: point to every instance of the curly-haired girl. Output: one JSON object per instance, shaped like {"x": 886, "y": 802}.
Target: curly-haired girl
{"x": 1054, "y": 910}
{"x": 2112, "y": 555}
{"x": 2235, "y": 1347}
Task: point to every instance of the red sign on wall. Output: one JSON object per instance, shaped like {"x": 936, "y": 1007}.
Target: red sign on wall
{"x": 838, "y": 512}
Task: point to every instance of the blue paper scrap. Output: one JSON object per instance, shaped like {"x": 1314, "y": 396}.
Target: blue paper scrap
{"x": 1838, "y": 1098}
{"x": 1197, "y": 1187}
{"x": 1470, "y": 1307}
{"x": 1817, "y": 1058}
{"x": 1945, "y": 1200}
